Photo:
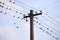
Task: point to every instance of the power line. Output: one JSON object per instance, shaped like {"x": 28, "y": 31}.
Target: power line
{"x": 12, "y": 7}
{"x": 50, "y": 21}
{"x": 38, "y": 10}
{"x": 31, "y": 16}
{"x": 26, "y": 5}
{"x": 52, "y": 18}
{"x": 12, "y": 11}
{"x": 43, "y": 17}
{"x": 16, "y": 10}
{"x": 48, "y": 25}
{"x": 19, "y": 5}
{"x": 47, "y": 31}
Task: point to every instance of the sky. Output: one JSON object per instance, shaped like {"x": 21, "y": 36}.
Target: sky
{"x": 9, "y": 20}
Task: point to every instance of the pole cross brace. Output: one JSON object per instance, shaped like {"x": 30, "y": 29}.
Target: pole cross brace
{"x": 32, "y": 14}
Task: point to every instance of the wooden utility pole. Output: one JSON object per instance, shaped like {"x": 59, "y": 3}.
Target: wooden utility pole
{"x": 31, "y": 15}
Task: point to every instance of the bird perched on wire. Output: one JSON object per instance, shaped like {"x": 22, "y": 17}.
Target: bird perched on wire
{"x": 40, "y": 11}
{"x": 37, "y": 12}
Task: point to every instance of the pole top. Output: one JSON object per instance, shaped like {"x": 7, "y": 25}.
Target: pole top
{"x": 31, "y": 11}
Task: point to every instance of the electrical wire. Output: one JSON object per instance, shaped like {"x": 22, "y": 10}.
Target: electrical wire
{"x": 48, "y": 29}
{"x": 26, "y": 5}
{"x": 50, "y": 21}
{"x": 38, "y": 10}
{"x": 15, "y": 3}
{"x": 14, "y": 8}
{"x": 43, "y": 17}
{"x": 48, "y": 25}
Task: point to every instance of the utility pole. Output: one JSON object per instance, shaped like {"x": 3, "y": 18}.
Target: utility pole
{"x": 31, "y": 15}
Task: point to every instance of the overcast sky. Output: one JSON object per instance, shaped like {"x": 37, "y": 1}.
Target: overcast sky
{"x": 8, "y": 28}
